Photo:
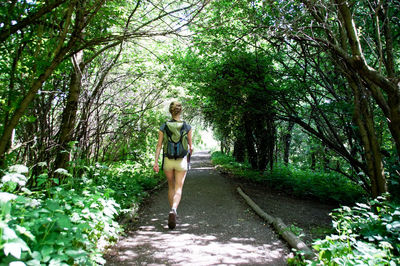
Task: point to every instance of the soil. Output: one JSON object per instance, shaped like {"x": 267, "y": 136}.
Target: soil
{"x": 309, "y": 218}
{"x": 215, "y": 225}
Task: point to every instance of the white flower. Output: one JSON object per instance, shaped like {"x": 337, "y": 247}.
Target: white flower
{"x": 5, "y": 197}
{"x": 19, "y": 168}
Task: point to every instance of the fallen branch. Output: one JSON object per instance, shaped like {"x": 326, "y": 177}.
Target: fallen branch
{"x": 279, "y": 226}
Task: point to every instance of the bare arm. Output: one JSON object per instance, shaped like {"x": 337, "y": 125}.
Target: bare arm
{"x": 190, "y": 141}
{"x": 156, "y": 168}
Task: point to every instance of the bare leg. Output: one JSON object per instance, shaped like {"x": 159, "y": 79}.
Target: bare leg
{"x": 179, "y": 180}
{"x": 175, "y": 183}
{"x": 170, "y": 174}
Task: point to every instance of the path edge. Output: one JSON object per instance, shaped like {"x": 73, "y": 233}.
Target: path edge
{"x": 133, "y": 210}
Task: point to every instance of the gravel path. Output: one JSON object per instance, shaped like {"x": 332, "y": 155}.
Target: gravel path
{"x": 215, "y": 227}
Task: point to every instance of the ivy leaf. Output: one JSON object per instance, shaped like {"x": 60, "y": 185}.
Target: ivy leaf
{"x": 395, "y": 226}
{"x": 57, "y": 262}
{"x": 36, "y": 255}
{"x": 23, "y": 231}
{"x": 42, "y": 164}
{"x": 63, "y": 172}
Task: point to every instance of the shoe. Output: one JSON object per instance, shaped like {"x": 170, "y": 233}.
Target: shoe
{"x": 171, "y": 220}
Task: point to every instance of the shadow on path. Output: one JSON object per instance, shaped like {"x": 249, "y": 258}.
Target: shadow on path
{"x": 215, "y": 227}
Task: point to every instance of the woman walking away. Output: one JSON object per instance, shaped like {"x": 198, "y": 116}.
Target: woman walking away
{"x": 175, "y": 137}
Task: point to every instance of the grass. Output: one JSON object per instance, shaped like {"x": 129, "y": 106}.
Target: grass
{"x": 326, "y": 187}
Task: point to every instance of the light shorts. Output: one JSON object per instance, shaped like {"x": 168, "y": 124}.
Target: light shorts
{"x": 179, "y": 164}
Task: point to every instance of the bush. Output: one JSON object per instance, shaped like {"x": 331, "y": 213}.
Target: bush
{"x": 367, "y": 234}
{"x": 69, "y": 227}
{"x": 130, "y": 182}
{"x": 328, "y": 187}
{"x": 69, "y": 224}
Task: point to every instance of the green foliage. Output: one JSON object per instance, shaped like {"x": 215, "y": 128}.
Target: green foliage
{"x": 13, "y": 178}
{"x": 237, "y": 84}
{"x": 327, "y": 187}
{"x": 72, "y": 223}
{"x": 130, "y": 182}
{"x": 66, "y": 228}
{"x": 393, "y": 171}
{"x": 296, "y": 230}
{"x": 367, "y": 234}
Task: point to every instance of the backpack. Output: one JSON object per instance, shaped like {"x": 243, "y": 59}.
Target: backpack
{"x": 175, "y": 148}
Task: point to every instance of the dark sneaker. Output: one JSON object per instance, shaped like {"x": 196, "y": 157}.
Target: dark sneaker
{"x": 171, "y": 220}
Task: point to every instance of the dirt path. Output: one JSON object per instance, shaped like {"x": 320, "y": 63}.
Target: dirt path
{"x": 215, "y": 227}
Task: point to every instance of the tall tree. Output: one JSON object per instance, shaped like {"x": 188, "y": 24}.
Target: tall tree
{"x": 369, "y": 67}
{"x": 80, "y": 38}
{"x": 314, "y": 78}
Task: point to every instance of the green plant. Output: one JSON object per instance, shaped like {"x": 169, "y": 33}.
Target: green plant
{"x": 13, "y": 178}
{"x": 56, "y": 226}
{"x": 329, "y": 187}
{"x": 130, "y": 182}
{"x": 296, "y": 230}
{"x": 366, "y": 234}
{"x": 69, "y": 227}
{"x": 71, "y": 223}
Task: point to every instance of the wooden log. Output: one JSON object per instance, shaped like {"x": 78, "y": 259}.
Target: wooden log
{"x": 279, "y": 226}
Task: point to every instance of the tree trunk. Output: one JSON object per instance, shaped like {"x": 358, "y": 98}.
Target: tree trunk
{"x": 250, "y": 145}
{"x": 225, "y": 146}
{"x": 279, "y": 226}
{"x": 70, "y": 112}
{"x": 9, "y": 95}
{"x": 239, "y": 150}
{"x": 287, "y": 139}
{"x": 263, "y": 151}
{"x": 326, "y": 159}
{"x": 394, "y": 120}
{"x": 86, "y": 109}
{"x": 19, "y": 112}
{"x": 59, "y": 53}
{"x": 374, "y": 78}
{"x": 373, "y": 157}
{"x": 313, "y": 160}
{"x": 271, "y": 138}
{"x": 261, "y": 132}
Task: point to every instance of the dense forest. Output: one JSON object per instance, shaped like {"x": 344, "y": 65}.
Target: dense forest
{"x": 304, "y": 92}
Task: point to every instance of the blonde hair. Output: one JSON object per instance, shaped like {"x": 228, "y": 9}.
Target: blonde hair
{"x": 175, "y": 108}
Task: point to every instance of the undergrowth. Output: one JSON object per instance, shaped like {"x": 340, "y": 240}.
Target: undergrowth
{"x": 366, "y": 234}
{"x": 326, "y": 187}
{"x": 70, "y": 223}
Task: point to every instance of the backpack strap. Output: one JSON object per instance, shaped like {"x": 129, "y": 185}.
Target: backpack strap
{"x": 184, "y": 129}
{"x": 168, "y": 131}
